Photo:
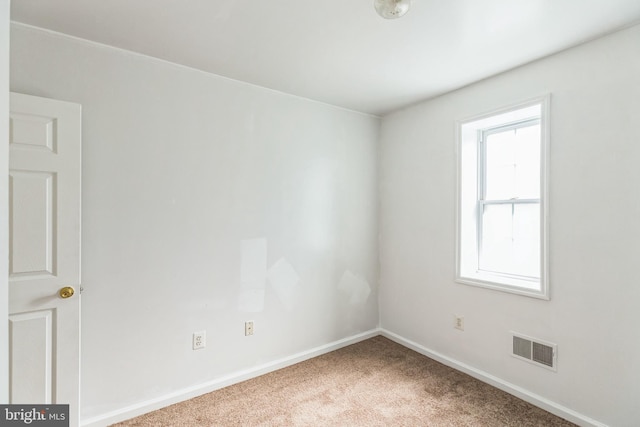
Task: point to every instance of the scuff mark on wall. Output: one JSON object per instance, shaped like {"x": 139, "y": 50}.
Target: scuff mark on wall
{"x": 284, "y": 280}
{"x": 356, "y": 287}
{"x": 251, "y": 301}
{"x": 253, "y": 275}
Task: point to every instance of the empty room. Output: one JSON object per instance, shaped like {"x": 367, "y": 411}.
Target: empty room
{"x": 295, "y": 213}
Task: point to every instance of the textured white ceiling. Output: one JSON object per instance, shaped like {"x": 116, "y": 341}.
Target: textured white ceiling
{"x": 338, "y": 52}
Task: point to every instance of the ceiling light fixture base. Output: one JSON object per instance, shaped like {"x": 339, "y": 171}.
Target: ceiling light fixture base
{"x": 391, "y": 9}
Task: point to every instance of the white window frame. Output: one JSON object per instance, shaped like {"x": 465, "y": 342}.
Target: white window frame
{"x": 470, "y": 195}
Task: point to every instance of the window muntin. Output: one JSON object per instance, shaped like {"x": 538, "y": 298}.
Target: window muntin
{"x": 502, "y": 232}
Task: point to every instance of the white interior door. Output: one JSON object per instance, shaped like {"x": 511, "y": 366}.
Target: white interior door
{"x": 44, "y": 243}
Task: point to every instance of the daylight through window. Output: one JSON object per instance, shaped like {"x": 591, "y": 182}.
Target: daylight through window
{"x": 501, "y": 200}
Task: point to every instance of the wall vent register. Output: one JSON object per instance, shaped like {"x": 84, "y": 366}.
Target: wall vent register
{"x": 535, "y": 351}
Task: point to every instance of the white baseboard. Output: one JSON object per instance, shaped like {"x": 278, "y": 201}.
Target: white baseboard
{"x": 236, "y": 377}
{"x": 207, "y": 387}
{"x": 485, "y": 377}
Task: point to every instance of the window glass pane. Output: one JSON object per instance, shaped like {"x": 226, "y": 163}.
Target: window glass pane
{"x": 527, "y": 160}
{"x": 512, "y": 165}
{"x": 500, "y": 166}
{"x": 511, "y": 239}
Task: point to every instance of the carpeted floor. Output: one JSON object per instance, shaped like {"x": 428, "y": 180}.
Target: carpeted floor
{"x": 372, "y": 383}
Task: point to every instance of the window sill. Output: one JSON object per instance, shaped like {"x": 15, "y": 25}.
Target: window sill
{"x": 505, "y": 284}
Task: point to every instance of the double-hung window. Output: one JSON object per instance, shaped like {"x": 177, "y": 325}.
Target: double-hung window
{"x": 502, "y": 200}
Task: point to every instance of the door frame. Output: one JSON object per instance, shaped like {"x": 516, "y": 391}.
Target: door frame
{"x": 5, "y": 22}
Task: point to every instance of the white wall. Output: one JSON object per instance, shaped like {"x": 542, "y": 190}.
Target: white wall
{"x": 4, "y": 188}
{"x": 593, "y": 314}
{"x": 179, "y": 168}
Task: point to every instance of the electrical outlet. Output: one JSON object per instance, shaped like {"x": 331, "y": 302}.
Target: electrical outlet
{"x": 458, "y": 322}
{"x": 199, "y": 340}
{"x": 248, "y": 328}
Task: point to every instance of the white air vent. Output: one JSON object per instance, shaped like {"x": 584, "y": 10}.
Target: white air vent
{"x": 535, "y": 351}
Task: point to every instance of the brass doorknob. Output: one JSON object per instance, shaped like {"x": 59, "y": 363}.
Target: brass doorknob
{"x": 66, "y": 292}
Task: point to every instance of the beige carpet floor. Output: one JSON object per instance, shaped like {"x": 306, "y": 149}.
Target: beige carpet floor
{"x": 372, "y": 383}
